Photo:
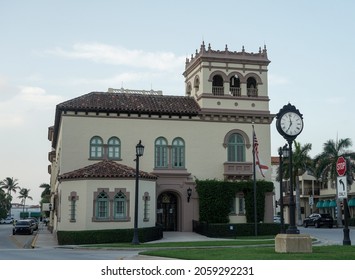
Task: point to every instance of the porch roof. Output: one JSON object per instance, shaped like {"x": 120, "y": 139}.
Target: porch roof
{"x": 105, "y": 169}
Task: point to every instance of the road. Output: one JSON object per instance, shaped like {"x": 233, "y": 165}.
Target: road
{"x": 328, "y": 236}
{"x": 13, "y": 247}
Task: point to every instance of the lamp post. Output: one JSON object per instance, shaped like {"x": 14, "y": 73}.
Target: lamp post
{"x": 283, "y": 153}
{"x": 292, "y": 229}
{"x": 139, "y": 153}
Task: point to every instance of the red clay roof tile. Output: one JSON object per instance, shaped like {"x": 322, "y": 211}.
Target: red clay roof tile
{"x": 105, "y": 169}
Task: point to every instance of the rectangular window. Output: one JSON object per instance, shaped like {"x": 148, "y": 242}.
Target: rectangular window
{"x": 160, "y": 157}
{"x": 102, "y": 209}
{"x": 178, "y": 157}
{"x": 146, "y": 210}
{"x": 120, "y": 208}
{"x": 72, "y": 209}
{"x": 241, "y": 205}
{"x": 113, "y": 152}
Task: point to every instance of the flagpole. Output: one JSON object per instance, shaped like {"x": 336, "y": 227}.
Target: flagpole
{"x": 254, "y": 183}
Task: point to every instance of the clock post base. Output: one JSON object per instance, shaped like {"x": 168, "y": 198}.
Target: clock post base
{"x": 293, "y": 243}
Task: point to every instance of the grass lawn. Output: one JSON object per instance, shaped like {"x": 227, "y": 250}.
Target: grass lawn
{"x": 244, "y": 248}
{"x": 335, "y": 252}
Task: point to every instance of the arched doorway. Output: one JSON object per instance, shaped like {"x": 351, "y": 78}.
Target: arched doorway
{"x": 167, "y": 211}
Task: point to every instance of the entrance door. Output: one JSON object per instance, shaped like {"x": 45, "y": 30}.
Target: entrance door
{"x": 167, "y": 211}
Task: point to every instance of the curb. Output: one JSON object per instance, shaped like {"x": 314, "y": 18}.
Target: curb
{"x": 33, "y": 243}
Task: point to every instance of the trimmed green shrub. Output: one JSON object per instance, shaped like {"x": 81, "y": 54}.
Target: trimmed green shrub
{"x": 234, "y": 230}
{"x": 107, "y": 236}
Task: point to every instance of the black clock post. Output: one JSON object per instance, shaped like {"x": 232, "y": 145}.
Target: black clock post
{"x": 289, "y": 123}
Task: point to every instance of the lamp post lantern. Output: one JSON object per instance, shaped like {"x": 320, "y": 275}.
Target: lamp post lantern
{"x": 139, "y": 153}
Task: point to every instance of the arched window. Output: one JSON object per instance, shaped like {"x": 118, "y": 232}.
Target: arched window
{"x": 236, "y": 148}
{"x": 188, "y": 89}
{"x": 178, "y": 153}
{"x": 252, "y": 89}
{"x": 234, "y": 86}
{"x": 217, "y": 85}
{"x": 120, "y": 206}
{"x": 161, "y": 153}
{"x": 96, "y": 147}
{"x": 114, "y": 148}
{"x": 102, "y": 204}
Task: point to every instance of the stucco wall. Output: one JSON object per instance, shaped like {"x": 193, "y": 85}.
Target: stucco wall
{"x": 85, "y": 190}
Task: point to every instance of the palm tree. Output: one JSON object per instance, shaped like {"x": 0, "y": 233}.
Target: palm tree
{"x": 325, "y": 163}
{"x": 47, "y": 190}
{"x": 5, "y": 204}
{"x": 10, "y": 184}
{"x": 301, "y": 162}
{"x": 24, "y": 194}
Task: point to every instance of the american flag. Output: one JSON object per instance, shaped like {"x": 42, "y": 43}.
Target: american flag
{"x": 256, "y": 152}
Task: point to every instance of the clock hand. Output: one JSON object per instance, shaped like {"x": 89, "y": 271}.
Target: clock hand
{"x": 289, "y": 126}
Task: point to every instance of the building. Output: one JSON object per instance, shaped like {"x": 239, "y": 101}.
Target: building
{"x": 20, "y": 211}
{"x": 315, "y": 196}
{"x": 205, "y": 134}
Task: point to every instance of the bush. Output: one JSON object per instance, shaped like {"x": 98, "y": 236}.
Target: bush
{"x": 107, "y": 236}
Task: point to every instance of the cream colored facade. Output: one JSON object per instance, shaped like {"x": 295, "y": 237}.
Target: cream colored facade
{"x": 214, "y": 114}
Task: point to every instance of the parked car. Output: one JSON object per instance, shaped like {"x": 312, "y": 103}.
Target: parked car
{"x": 34, "y": 221}
{"x": 7, "y": 220}
{"x": 319, "y": 220}
{"x": 23, "y": 226}
{"x": 277, "y": 219}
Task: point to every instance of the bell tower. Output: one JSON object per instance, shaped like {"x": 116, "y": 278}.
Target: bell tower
{"x": 228, "y": 80}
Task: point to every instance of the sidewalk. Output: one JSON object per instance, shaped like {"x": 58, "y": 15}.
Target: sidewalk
{"x": 44, "y": 238}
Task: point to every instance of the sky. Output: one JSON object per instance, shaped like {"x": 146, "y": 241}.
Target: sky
{"x": 52, "y": 51}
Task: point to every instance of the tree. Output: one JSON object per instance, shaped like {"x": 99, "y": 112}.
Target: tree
{"x": 302, "y": 162}
{"x": 10, "y": 184}
{"x": 47, "y": 190}
{"x": 24, "y": 194}
{"x": 5, "y": 204}
{"x": 325, "y": 163}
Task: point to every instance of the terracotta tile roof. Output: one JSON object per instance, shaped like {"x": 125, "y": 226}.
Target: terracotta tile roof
{"x": 132, "y": 103}
{"x": 105, "y": 169}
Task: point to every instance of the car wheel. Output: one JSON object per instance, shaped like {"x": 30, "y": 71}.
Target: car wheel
{"x": 330, "y": 225}
{"x": 317, "y": 225}
{"x": 305, "y": 224}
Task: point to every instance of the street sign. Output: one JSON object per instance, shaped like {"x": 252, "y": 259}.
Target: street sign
{"x": 311, "y": 201}
{"x": 341, "y": 166}
{"x": 342, "y": 187}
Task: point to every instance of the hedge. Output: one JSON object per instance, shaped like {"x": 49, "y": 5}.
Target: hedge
{"x": 108, "y": 236}
{"x": 228, "y": 230}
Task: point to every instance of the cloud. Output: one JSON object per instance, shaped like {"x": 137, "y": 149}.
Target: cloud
{"x": 37, "y": 96}
{"x": 14, "y": 110}
{"x": 117, "y": 55}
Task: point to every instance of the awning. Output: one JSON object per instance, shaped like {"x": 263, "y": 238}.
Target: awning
{"x": 319, "y": 204}
{"x": 351, "y": 202}
{"x": 326, "y": 203}
{"x": 333, "y": 203}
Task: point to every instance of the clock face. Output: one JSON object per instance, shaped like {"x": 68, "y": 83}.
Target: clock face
{"x": 291, "y": 123}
